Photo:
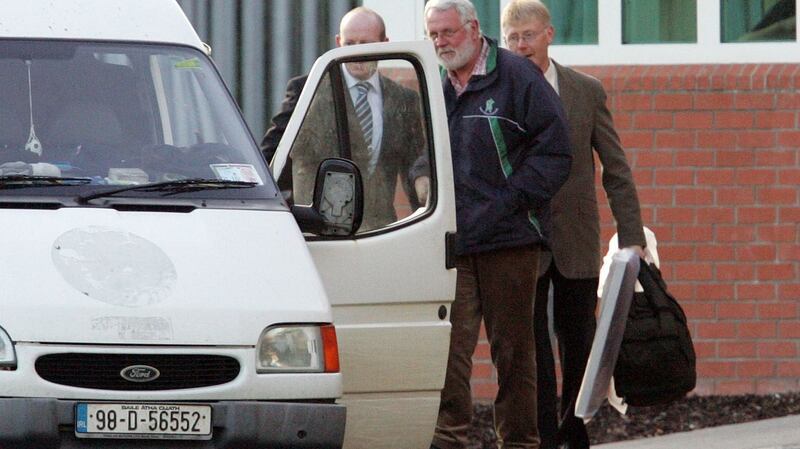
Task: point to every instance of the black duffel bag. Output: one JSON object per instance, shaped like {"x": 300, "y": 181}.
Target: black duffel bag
{"x": 656, "y": 362}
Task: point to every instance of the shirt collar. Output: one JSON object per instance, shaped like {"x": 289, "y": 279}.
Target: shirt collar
{"x": 351, "y": 81}
{"x": 552, "y": 76}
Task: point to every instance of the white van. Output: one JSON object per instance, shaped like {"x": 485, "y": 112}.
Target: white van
{"x": 157, "y": 289}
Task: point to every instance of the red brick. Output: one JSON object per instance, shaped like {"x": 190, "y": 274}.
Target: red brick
{"x": 756, "y": 139}
{"x": 729, "y": 350}
{"x": 714, "y": 101}
{"x": 789, "y": 176}
{"x": 716, "y": 330}
{"x": 673, "y": 102}
{"x": 674, "y": 176}
{"x": 789, "y": 252}
{"x": 777, "y": 349}
{"x": 674, "y": 253}
{"x": 482, "y": 352}
{"x": 754, "y": 101}
{"x": 753, "y": 215}
{"x": 777, "y": 233}
{"x": 775, "y": 158}
{"x": 715, "y": 369}
{"x": 735, "y": 233}
{"x": 789, "y": 214}
{"x": 735, "y": 158}
{"x": 755, "y": 369}
{"x": 652, "y": 120}
{"x": 482, "y": 370}
{"x": 714, "y": 292}
{"x": 715, "y": 215}
{"x": 736, "y": 196}
{"x": 775, "y": 119}
{"x": 636, "y": 139}
{"x": 778, "y": 310}
{"x": 705, "y": 349}
{"x": 789, "y": 369}
{"x": 693, "y": 271}
{"x": 634, "y": 102}
{"x": 680, "y": 289}
{"x": 693, "y": 120}
{"x": 734, "y": 272}
{"x": 689, "y": 233}
{"x": 772, "y": 386}
{"x": 655, "y": 195}
{"x": 755, "y": 253}
{"x": 691, "y": 196}
{"x": 642, "y": 176}
{"x": 733, "y": 120}
{"x": 757, "y": 330}
{"x": 789, "y": 291}
{"x": 788, "y": 329}
{"x": 753, "y": 176}
{"x": 755, "y": 291}
{"x": 776, "y": 272}
{"x": 716, "y": 176}
{"x": 736, "y": 311}
{"x": 696, "y": 311}
{"x": 716, "y": 139}
{"x": 654, "y": 159}
{"x": 484, "y": 391}
{"x": 777, "y": 195}
{"x": 695, "y": 158}
{"x": 789, "y": 139}
{"x": 675, "y": 215}
{"x": 715, "y": 253}
{"x": 675, "y": 139}
{"x": 735, "y": 387}
{"x": 788, "y": 101}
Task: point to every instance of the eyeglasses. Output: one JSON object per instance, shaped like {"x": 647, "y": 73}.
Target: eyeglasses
{"x": 445, "y": 34}
{"x": 527, "y": 37}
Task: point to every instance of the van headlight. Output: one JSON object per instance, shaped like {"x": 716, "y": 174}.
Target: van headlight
{"x": 298, "y": 348}
{"x": 8, "y": 356}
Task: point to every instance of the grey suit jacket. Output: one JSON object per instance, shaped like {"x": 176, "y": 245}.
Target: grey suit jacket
{"x": 402, "y": 143}
{"x": 575, "y": 242}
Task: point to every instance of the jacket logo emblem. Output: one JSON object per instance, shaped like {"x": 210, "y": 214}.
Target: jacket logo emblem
{"x": 489, "y": 109}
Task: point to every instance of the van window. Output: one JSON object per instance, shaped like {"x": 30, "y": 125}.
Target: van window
{"x": 121, "y": 115}
{"x": 371, "y": 113}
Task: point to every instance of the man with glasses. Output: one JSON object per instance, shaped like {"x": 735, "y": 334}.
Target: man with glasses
{"x": 509, "y": 143}
{"x": 573, "y": 262}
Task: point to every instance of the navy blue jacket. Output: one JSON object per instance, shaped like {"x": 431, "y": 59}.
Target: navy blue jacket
{"x": 511, "y": 154}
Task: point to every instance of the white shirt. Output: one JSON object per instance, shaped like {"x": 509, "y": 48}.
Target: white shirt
{"x": 552, "y": 76}
{"x": 375, "y": 100}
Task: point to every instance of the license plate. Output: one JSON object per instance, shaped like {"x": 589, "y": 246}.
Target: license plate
{"x": 135, "y": 420}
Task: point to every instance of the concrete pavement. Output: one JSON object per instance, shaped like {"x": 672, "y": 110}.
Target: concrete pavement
{"x": 777, "y": 433}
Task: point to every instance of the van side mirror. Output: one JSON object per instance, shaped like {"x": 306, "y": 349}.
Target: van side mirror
{"x": 338, "y": 204}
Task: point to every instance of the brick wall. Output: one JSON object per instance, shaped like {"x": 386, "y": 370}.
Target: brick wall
{"x": 715, "y": 150}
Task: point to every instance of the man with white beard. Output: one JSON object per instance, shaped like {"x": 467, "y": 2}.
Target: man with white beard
{"x": 511, "y": 154}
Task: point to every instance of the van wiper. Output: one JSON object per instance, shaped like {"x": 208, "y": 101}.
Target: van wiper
{"x": 171, "y": 187}
{"x": 20, "y": 181}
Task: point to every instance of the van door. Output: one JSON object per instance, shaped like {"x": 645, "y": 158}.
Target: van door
{"x": 389, "y": 284}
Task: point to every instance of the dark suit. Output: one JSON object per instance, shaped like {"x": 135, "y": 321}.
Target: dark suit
{"x": 575, "y": 246}
{"x": 275, "y": 132}
{"x": 402, "y": 142}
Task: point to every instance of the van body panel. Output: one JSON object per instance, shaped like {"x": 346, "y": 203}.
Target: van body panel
{"x": 109, "y": 277}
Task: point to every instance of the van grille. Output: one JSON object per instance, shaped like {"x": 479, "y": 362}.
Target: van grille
{"x": 103, "y": 371}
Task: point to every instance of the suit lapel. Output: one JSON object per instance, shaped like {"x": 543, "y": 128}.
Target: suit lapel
{"x": 566, "y": 90}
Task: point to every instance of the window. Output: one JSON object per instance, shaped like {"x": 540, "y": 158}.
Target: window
{"x": 575, "y": 21}
{"x": 758, "y": 20}
{"x": 659, "y": 21}
{"x": 369, "y": 112}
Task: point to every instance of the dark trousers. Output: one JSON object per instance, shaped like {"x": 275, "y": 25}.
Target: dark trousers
{"x": 497, "y": 286}
{"x": 574, "y": 302}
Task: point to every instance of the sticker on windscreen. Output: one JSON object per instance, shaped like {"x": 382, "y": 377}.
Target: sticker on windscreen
{"x": 237, "y": 172}
{"x": 191, "y": 63}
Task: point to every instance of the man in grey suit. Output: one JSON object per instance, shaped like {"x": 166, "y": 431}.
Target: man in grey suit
{"x": 385, "y": 127}
{"x": 572, "y": 266}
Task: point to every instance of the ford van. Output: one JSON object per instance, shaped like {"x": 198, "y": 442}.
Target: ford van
{"x": 158, "y": 290}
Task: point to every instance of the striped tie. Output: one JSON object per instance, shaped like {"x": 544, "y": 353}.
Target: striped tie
{"x": 364, "y": 113}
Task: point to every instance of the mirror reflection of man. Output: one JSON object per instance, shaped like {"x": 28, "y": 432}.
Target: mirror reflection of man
{"x": 384, "y": 120}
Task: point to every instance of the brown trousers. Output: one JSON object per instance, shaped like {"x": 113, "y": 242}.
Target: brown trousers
{"x": 498, "y": 286}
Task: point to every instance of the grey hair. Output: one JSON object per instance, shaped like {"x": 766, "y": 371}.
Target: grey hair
{"x": 465, "y": 8}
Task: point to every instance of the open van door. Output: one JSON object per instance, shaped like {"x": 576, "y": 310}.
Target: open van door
{"x": 389, "y": 283}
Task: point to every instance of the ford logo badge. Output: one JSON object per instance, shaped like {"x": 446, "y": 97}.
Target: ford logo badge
{"x": 140, "y": 373}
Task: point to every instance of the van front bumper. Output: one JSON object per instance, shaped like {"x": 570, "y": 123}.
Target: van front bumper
{"x": 43, "y": 423}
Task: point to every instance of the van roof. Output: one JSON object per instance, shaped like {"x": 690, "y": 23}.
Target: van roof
{"x": 104, "y": 20}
